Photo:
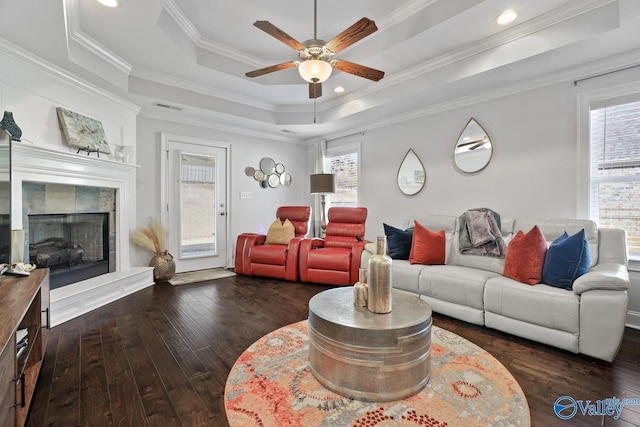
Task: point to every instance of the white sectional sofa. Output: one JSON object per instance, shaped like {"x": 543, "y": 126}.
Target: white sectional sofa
{"x": 589, "y": 319}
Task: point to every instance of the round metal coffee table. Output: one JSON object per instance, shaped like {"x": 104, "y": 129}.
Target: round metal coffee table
{"x": 365, "y": 355}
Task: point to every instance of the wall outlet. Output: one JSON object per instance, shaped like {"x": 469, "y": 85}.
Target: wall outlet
{"x": 246, "y": 195}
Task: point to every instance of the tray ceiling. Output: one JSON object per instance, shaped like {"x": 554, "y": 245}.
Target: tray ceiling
{"x": 191, "y": 55}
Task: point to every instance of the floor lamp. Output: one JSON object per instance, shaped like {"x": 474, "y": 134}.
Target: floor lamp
{"x": 323, "y": 183}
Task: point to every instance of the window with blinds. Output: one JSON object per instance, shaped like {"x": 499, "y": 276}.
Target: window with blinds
{"x": 345, "y": 167}
{"x": 615, "y": 170}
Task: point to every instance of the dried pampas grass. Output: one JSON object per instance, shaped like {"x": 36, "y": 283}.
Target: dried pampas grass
{"x": 159, "y": 232}
{"x": 152, "y": 238}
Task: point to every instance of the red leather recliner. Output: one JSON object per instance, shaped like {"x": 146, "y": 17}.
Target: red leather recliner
{"x": 254, "y": 258}
{"x": 335, "y": 260}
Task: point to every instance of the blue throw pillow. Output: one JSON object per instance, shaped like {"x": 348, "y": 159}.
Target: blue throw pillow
{"x": 398, "y": 241}
{"x": 568, "y": 258}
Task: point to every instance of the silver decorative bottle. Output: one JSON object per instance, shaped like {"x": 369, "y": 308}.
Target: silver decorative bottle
{"x": 360, "y": 289}
{"x": 379, "y": 277}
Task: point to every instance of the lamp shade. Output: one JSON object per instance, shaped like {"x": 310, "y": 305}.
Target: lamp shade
{"x": 323, "y": 183}
{"x": 315, "y": 70}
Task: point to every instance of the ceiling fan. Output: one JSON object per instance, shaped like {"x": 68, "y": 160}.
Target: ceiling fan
{"x": 316, "y": 56}
{"x": 475, "y": 144}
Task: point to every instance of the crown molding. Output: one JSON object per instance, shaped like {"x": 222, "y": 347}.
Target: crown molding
{"x": 240, "y": 129}
{"x": 168, "y": 80}
{"x": 101, "y": 52}
{"x": 41, "y": 65}
{"x": 488, "y": 43}
{"x": 196, "y": 38}
{"x": 74, "y": 33}
{"x": 403, "y": 12}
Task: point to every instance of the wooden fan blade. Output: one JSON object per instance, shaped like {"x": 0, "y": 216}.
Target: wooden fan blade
{"x": 476, "y": 141}
{"x": 357, "y": 31}
{"x": 315, "y": 90}
{"x": 359, "y": 70}
{"x": 276, "y": 32}
{"x": 271, "y": 69}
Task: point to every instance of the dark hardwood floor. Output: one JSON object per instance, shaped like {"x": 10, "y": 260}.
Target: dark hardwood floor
{"x": 161, "y": 356}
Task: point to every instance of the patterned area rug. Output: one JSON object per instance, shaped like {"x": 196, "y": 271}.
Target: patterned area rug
{"x": 271, "y": 385}
{"x": 200, "y": 276}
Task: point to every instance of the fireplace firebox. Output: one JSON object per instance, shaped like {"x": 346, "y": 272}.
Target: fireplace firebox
{"x": 74, "y": 247}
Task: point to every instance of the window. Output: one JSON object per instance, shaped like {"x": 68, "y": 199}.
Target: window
{"x": 197, "y": 205}
{"x": 615, "y": 169}
{"x": 344, "y": 163}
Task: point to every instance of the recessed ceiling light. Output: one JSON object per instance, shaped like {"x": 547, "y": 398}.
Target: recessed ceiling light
{"x": 506, "y": 17}
{"x": 338, "y": 89}
{"x": 109, "y": 3}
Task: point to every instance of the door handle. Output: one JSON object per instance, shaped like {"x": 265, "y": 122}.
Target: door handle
{"x": 223, "y": 213}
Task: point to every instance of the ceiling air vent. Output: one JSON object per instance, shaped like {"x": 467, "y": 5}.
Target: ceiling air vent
{"x": 170, "y": 107}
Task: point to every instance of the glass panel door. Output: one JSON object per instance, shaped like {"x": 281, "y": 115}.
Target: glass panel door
{"x": 196, "y": 211}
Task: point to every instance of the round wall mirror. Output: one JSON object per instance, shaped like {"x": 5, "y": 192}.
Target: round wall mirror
{"x": 267, "y": 165}
{"x": 411, "y": 175}
{"x": 274, "y": 180}
{"x": 285, "y": 179}
{"x": 473, "y": 149}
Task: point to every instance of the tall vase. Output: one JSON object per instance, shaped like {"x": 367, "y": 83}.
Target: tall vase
{"x": 379, "y": 276}
{"x": 164, "y": 267}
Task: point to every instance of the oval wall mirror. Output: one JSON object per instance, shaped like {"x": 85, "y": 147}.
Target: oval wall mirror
{"x": 411, "y": 175}
{"x": 473, "y": 149}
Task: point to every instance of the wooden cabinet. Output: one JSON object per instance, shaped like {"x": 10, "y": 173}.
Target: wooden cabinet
{"x": 24, "y": 316}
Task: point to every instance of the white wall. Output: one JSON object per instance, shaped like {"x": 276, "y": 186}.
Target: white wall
{"x": 532, "y": 172}
{"x": 245, "y": 215}
{"x": 32, "y": 88}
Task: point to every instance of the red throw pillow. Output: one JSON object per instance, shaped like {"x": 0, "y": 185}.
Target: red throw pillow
{"x": 524, "y": 259}
{"x": 427, "y": 247}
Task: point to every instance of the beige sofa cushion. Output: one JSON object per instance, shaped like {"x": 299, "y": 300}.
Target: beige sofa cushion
{"x": 540, "y": 304}
{"x": 458, "y": 285}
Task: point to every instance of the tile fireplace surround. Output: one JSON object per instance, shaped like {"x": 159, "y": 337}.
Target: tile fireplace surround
{"x": 42, "y": 165}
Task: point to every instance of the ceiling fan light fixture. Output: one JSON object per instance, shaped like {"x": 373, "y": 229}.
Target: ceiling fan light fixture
{"x": 315, "y": 70}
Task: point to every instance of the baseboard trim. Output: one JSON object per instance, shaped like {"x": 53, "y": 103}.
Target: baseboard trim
{"x": 79, "y": 298}
{"x": 633, "y": 319}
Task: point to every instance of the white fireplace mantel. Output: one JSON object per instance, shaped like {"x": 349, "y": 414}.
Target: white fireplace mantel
{"x": 31, "y": 163}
